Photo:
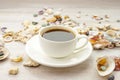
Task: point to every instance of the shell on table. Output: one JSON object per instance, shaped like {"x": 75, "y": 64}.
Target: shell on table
{"x": 110, "y": 65}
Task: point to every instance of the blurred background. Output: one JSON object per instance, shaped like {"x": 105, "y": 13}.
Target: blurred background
{"x": 60, "y": 3}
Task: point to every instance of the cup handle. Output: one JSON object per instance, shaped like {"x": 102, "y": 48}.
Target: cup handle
{"x": 77, "y": 49}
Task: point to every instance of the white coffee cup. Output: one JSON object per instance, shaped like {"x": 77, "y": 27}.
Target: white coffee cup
{"x": 59, "y": 49}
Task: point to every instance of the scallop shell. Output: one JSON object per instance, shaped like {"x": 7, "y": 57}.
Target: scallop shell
{"x": 5, "y": 52}
{"x": 110, "y": 68}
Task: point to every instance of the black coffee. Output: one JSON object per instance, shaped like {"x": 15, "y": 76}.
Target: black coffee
{"x": 58, "y": 35}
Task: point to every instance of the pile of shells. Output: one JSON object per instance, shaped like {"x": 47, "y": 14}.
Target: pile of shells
{"x": 102, "y": 37}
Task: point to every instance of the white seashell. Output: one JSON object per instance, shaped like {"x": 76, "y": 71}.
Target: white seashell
{"x": 13, "y": 71}
{"x": 98, "y": 46}
{"x": 49, "y": 11}
{"x": 93, "y": 33}
{"x": 110, "y": 68}
{"x": 30, "y": 63}
{"x": 5, "y": 53}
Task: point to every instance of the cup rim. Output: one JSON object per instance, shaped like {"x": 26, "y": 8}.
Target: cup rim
{"x": 63, "y": 27}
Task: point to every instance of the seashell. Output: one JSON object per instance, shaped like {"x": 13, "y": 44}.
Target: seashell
{"x": 108, "y": 63}
{"x": 115, "y": 28}
{"x": 111, "y": 46}
{"x": 8, "y": 39}
{"x": 104, "y": 42}
{"x": 30, "y": 63}
{"x": 58, "y": 17}
{"x": 98, "y": 46}
{"x": 17, "y": 59}
{"x": 117, "y": 44}
{"x": 117, "y": 63}
{"x": 4, "y": 53}
{"x": 49, "y": 11}
{"x": 118, "y": 35}
{"x": 111, "y": 33}
{"x": 10, "y": 33}
{"x": 52, "y": 20}
{"x": 101, "y": 28}
{"x": 66, "y": 17}
{"x": 108, "y": 37}
{"x": 93, "y": 33}
{"x": 13, "y": 71}
{"x": 24, "y": 39}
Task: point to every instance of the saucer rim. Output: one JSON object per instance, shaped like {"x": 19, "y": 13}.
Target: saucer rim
{"x": 58, "y": 65}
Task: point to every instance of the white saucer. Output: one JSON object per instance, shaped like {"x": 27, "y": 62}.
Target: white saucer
{"x": 35, "y": 52}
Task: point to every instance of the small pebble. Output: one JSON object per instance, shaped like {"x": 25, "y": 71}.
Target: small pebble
{"x": 34, "y": 23}
{"x": 13, "y": 71}
{"x": 118, "y": 21}
{"x": 106, "y": 16}
{"x": 111, "y": 77}
{"x": 35, "y": 15}
{"x": 41, "y": 12}
{"x": 3, "y": 29}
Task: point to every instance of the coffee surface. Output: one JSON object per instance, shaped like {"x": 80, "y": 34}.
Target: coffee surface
{"x": 58, "y": 35}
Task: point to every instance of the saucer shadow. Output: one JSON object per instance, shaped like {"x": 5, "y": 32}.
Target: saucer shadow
{"x": 77, "y": 68}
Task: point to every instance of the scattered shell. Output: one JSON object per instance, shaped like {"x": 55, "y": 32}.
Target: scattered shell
{"x": 117, "y": 63}
{"x": 10, "y": 33}
{"x": 111, "y": 77}
{"x": 13, "y": 71}
{"x": 78, "y": 15}
{"x": 49, "y": 11}
{"x": 115, "y": 28}
{"x": 17, "y": 59}
{"x": 106, "y": 61}
{"x": 3, "y": 29}
{"x": 107, "y": 17}
{"x": 117, "y": 44}
{"x": 24, "y": 39}
{"x": 98, "y": 46}
{"x": 41, "y": 12}
{"x": 26, "y": 23}
{"x": 31, "y": 63}
{"x": 111, "y": 33}
{"x": 111, "y": 46}
{"x": 66, "y": 17}
{"x": 3, "y": 53}
{"x": 52, "y": 20}
{"x": 58, "y": 17}
{"x": 8, "y": 39}
{"x": 104, "y": 42}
